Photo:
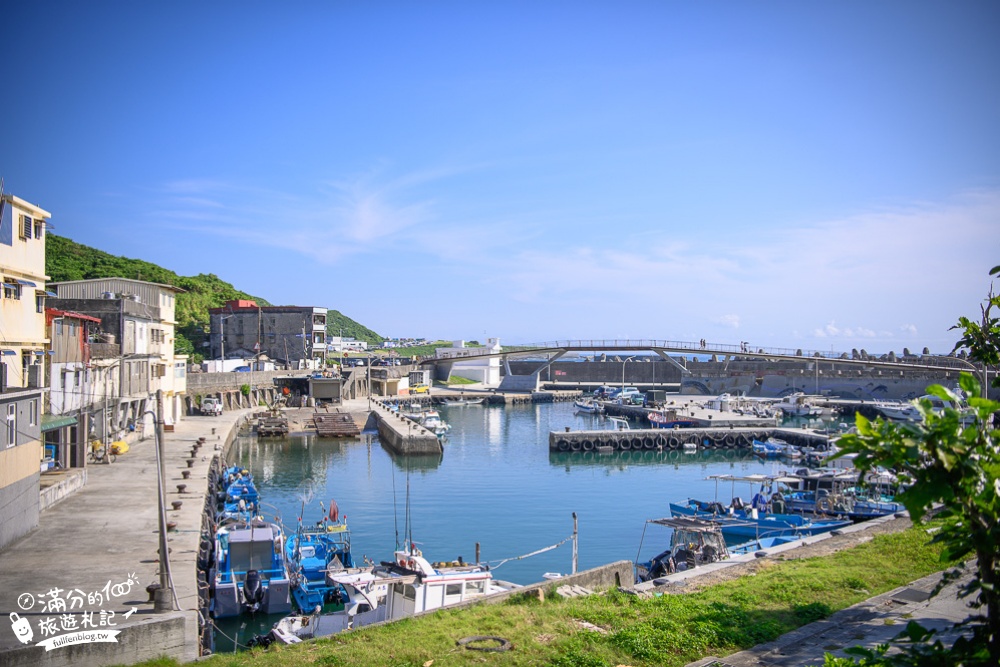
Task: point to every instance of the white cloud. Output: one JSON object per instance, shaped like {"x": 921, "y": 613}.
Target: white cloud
{"x": 909, "y": 329}
{"x": 728, "y": 321}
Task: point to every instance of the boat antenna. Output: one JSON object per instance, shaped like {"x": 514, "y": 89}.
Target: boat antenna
{"x": 407, "y": 517}
{"x": 395, "y": 513}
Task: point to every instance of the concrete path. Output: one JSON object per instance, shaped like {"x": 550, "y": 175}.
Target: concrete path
{"x": 870, "y": 623}
{"x": 106, "y": 535}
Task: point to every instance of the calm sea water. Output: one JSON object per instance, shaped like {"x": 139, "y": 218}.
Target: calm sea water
{"x": 496, "y": 484}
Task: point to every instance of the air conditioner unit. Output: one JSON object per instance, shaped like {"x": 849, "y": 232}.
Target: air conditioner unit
{"x": 107, "y": 295}
{"x": 36, "y": 376}
{"x": 132, "y": 297}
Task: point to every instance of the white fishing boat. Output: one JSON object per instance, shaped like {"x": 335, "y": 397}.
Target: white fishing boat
{"x": 459, "y": 402}
{"x": 799, "y": 405}
{"x": 589, "y": 406}
{"x": 407, "y": 586}
{"x": 898, "y": 410}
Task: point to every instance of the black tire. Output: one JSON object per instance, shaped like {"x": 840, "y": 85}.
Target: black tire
{"x": 588, "y": 446}
{"x": 575, "y": 446}
{"x": 673, "y": 442}
{"x": 562, "y": 445}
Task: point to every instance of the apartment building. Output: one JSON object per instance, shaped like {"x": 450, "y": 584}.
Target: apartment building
{"x": 294, "y": 335}
{"x": 22, "y": 354}
{"x": 133, "y": 350}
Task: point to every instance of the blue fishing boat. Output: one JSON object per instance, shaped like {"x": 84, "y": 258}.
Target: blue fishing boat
{"x": 773, "y": 448}
{"x": 741, "y": 522}
{"x": 314, "y": 554}
{"x": 249, "y": 573}
{"x": 238, "y": 495}
{"x": 839, "y": 493}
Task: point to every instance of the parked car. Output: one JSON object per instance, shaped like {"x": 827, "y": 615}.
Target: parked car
{"x": 241, "y": 369}
{"x": 210, "y": 405}
{"x": 624, "y": 395}
{"x": 420, "y": 389}
{"x": 603, "y": 392}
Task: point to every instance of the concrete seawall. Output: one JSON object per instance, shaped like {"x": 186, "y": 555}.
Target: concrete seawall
{"x": 657, "y": 439}
{"x": 404, "y": 436}
{"x": 105, "y": 534}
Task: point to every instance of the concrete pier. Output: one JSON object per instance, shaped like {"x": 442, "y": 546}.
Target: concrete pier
{"x": 404, "y": 436}
{"x": 104, "y": 535}
{"x": 658, "y": 439}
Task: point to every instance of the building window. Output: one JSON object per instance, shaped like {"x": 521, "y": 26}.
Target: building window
{"x": 33, "y": 412}
{"x": 39, "y": 304}
{"x": 11, "y": 424}
{"x": 38, "y": 229}
{"x": 26, "y": 226}
{"x": 11, "y": 291}
{"x": 76, "y": 378}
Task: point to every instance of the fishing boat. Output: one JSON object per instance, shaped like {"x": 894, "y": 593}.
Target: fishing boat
{"x": 898, "y": 411}
{"x": 840, "y": 493}
{"x": 408, "y": 585}
{"x": 773, "y": 448}
{"x": 429, "y": 419}
{"x": 311, "y": 554}
{"x": 740, "y": 522}
{"x": 589, "y": 406}
{"x": 695, "y": 542}
{"x": 362, "y": 595}
{"x": 238, "y": 495}
{"x": 798, "y": 405}
{"x": 459, "y": 402}
{"x": 421, "y": 586}
{"x": 249, "y": 574}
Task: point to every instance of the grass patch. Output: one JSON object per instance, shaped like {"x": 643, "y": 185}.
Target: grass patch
{"x": 665, "y": 630}
{"x": 455, "y": 379}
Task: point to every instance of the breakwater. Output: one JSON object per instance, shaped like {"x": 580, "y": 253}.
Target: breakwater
{"x": 659, "y": 439}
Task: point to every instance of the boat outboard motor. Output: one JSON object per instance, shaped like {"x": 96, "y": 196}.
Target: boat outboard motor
{"x": 253, "y": 591}
{"x": 661, "y": 565}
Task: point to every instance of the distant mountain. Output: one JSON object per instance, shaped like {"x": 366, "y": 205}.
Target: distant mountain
{"x": 68, "y": 260}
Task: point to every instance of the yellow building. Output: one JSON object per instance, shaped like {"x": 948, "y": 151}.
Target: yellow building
{"x": 22, "y": 353}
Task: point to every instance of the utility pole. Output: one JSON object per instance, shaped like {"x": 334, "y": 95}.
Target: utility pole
{"x": 164, "y": 599}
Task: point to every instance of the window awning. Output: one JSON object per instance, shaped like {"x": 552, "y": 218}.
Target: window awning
{"x": 26, "y": 283}
{"x": 10, "y": 285}
{"x": 38, "y": 352}
{"x": 52, "y": 422}
{"x": 11, "y": 352}
{"x": 46, "y": 292}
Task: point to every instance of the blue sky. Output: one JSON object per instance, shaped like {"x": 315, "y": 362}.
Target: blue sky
{"x": 823, "y": 175}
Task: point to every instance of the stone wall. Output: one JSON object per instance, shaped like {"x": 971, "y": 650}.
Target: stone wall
{"x": 155, "y": 637}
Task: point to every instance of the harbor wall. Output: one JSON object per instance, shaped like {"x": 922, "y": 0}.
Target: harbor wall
{"x": 404, "y": 436}
{"x": 659, "y": 439}
{"x": 162, "y": 635}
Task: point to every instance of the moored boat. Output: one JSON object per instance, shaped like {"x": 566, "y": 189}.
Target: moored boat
{"x": 743, "y": 523}
{"x": 314, "y": 552}
{"x": 249, "y": 570}
{"x": 589, "y": 406}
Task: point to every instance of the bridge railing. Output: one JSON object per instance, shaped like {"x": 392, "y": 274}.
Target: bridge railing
{"x": 744, "y": 350}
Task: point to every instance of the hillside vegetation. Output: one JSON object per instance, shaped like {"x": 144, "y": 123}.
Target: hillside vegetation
{"x": 67, "y": 260}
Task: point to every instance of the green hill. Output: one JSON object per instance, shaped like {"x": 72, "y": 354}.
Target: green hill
{"x": 68, "y": 260}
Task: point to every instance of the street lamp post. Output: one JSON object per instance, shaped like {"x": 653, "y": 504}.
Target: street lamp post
{"x": 628, "y": 359}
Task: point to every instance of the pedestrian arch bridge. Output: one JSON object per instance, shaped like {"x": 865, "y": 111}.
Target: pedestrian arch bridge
{"x": 548, "y": 352}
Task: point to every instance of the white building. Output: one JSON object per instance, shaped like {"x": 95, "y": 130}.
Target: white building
{"x": 484, "y": 369}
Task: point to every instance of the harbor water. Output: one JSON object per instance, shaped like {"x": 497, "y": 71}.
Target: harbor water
{"x": 496, "y": 484}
